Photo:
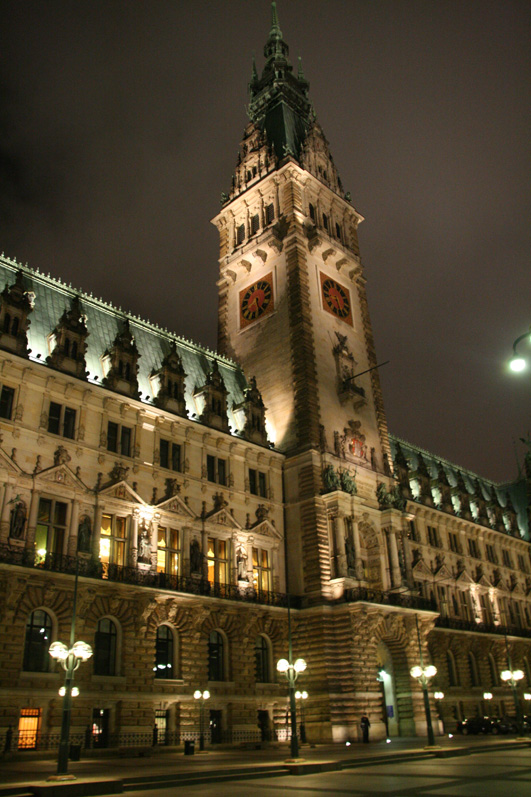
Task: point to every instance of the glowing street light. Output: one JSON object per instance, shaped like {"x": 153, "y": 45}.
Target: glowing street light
{"x": 202, "y": 696}
{"x": 518, "y": 363}
{"x": 512, "y": 677}
{"x": 423, "y": 675}
{"x": 292, "y": 671}
{"x": 302, "y": 696}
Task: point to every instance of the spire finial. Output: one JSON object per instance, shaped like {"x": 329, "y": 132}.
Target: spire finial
{"x": 275, "y": 27}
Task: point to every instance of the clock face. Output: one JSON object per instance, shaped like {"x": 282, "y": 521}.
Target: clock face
{"x": 336, "y": 299}
{"x": 256, "y": 301}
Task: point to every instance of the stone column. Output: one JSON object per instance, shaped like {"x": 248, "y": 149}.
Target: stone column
{"x": 495, "y": 605}
{"x": 357, "y": 549}
{"x": 185, "y": 554}
{"x": 98, "y": 512}
{"x": 6, "y": 510}
{"x": 341, "y": 554}
{"x": 72, "y": 508}
{"x": 278, "y": 574}
{"x": 133, "y": 550}
{"x": 154, "y": 540}
{"x": 32, "y": 518}
{"x": 250, "y": 543}
{"x": 476, "y": 606}
{"x": 393, "y": 555}
{"x": 204, "y": 551}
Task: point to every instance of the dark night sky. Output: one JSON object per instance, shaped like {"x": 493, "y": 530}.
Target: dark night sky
{"x": 119, "y": 128}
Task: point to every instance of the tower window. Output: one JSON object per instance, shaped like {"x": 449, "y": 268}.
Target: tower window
{"x": 255, "y": 224}
{"x": 325, "y": 221}
{"x": 312, "y": 212}
{"x": 240, "y": 234}
{"x": 270, "y": 213}
{"x": 338, "y": 231}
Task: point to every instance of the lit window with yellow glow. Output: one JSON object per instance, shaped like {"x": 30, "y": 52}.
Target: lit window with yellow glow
{"x": 261, "y": 570}
{"x": 168, "y": 551}
{"x": 218, "y": 560}
{"x": 112, "y": 542}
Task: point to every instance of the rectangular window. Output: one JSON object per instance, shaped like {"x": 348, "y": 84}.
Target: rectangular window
{"x": 168, "y": 551}
{"x": 257, "y": 483}
{"x": 491, "y": 554}
{"x": 7, "y": 396}
{"x": 522, "y": 564}
{"x": 255, "y": 224}
{"x": 28, "y": 728}
{"x": 61, "y": 420}
{"x": 413, "y": 532}
{"x": 240, "y": 234}
{"x": 473, "y": 548}
{"x": 270, "y": 213}
{"x": 112, "y": 542}
{"x": 453, "y": 542}
{"x": 216, "y": 470}
{"x": 50, "y": 530}
{"x": 433, "y": 537}
{"x": 218, "y": 560}
{"x": 119, "y": 439}
{"x": 261, "y": 570}
{"x": 170, "y": 455}
{"x": 507, "y": 561}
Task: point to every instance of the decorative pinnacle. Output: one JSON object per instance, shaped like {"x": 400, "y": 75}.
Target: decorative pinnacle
{"x": 254, "y": 74}
{"x": 275, "y": 31}
{"x": 300, "y": 74}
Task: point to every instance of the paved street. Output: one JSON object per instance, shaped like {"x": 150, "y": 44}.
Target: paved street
{"x": 498, "y": 774}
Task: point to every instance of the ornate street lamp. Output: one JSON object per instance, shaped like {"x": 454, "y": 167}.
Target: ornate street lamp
{"x": 519, "y": 363}
{"x": 202, "y": 696}
{"x": 70, "y": 659}
{"x": 423, "y": 675}
{"x": 512, "y": 677}
{"x": 292, "y": 672}
{"x": 302, "y": 696}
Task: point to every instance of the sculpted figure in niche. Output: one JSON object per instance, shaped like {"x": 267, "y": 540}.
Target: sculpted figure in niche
{"x": 18, "y": 518}
{"x": 144, "y": 547}
{"x": 350, "y": 553}
{"x": 241, "y": 563}
{"x": 195, "y": 557}
{"x": 84, "y": 533}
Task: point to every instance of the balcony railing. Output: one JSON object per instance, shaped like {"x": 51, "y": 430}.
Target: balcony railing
{"x": 483, "y": 628}
{"x": 93, "y": 568}
{"x": 401, "y": 599}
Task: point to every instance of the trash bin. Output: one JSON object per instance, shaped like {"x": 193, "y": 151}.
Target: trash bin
{"x": 75, "y": 752}
{"x": 189, "y": 747}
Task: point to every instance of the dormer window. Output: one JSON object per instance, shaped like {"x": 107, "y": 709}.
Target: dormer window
{"x": 121, "y": 362}
{"x": 17, "y": 304}
{"x": 213, "y": 395}
{"x": 68, "y": 341}
{"x": 168, "y": 383}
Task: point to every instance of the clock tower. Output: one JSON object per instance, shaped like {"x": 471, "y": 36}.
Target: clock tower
{"x": 293, "y": 311}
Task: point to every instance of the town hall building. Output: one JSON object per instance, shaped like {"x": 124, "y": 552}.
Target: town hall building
{"x": 192, "y": 499}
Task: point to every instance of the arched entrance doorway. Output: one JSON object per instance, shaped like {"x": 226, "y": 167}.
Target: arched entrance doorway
{"x": 386, "y": 678}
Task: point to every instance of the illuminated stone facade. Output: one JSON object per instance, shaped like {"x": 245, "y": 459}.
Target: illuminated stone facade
{"x": 174, "y": 479}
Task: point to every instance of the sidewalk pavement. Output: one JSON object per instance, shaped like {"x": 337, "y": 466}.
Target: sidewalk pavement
{"x": 112, "y": 774}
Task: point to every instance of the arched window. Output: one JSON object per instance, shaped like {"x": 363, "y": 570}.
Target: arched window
{"x": 493, "y": 671}
{"x": 105, "y": 648}
{"x": 473, "y": 669}
{"x": 216, "y": 669}
{"x": 452, "y": 671}
{"x": 164, "y": 664}
{"x": 37, "y": 642}
{"x": 261, "y": 657}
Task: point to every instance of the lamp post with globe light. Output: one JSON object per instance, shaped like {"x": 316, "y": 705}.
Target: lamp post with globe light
{"x": 292, "y": 671}
{"x": 517, "y": 362}
{"x": 70, "y": 659}
{"x": 302, "y": 696}
{"x": 512, "y": 677}
{"x": 423, "y": 675}
{"x": 202, "y": 696}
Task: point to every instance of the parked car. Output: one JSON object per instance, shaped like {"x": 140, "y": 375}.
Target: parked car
{"x": 509, "y": 725}
{"x": 474, "y": 725}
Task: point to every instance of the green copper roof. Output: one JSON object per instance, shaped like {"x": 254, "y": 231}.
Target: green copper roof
{"x": 517, "y": 491}
{"x": 52, "y": 298}
{"x": 279, "y": 101}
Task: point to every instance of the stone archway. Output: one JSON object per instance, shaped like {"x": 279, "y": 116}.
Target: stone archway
{"x": 393, "y": 639}
{"x": 386, "y": 678}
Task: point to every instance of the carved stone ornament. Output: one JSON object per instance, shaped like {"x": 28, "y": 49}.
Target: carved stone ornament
{"x": 61, "y": 456}
{"x": 17, "y": 520}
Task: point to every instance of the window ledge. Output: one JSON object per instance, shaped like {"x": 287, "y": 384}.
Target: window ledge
{"x": 168, "y": 680}
{"x": 109, "y": 679}
{"x": 53, "y": 676}
{"x": 221, "y": 683}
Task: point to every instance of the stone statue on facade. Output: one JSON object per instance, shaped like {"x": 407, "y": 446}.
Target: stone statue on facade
{"x": 241, "y": 564}
{"x": 196, "y": 557}
{"x": 18, "y": 518}
{"x": 330, "y": 479}
{"x": 84, "y": 533}
{"x": 144, "y": 547}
